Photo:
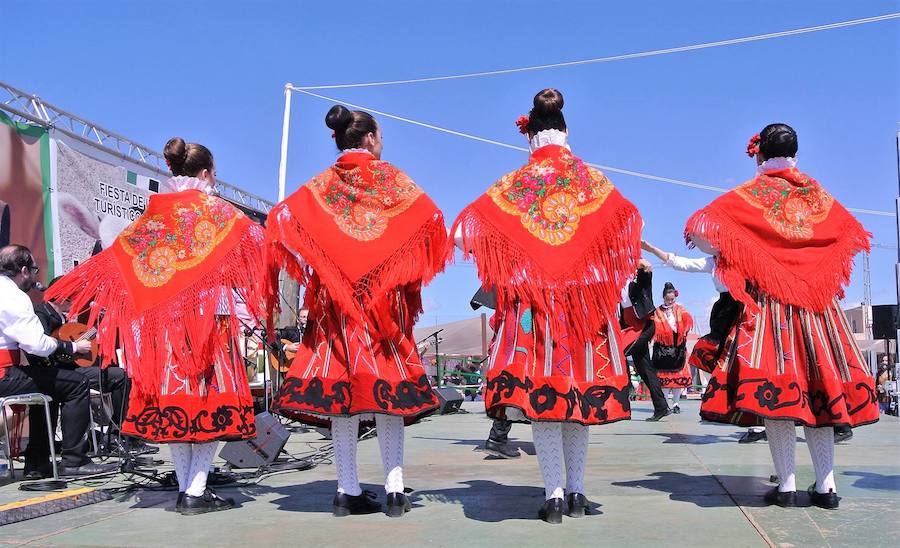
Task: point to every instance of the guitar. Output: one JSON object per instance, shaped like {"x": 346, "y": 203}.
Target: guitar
{"x": 78, "y": 332}
{"x": 287, "y": 357}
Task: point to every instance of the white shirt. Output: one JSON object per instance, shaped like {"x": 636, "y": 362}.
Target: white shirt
{"x": 19, "y": 326}
{"x": 703, "y": 264}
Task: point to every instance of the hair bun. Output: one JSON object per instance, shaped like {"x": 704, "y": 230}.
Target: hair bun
{"x": 338, "y": 118}
{"x": 548, "y": 101}
{"x": 175, "y": 154}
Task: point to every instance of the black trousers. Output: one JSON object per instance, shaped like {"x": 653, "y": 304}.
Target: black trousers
{"x": 500, "y": 431}
{"x": 116, "y": 384}
{"x": 68, "y": 389}
{"x": 645, "y": 369}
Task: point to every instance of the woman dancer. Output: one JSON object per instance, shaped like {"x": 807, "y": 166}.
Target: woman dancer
{"x": 558, "y": 243}
{"x": 166, "y": 290}
{"x": 784, "y": 248}
{"x": 673, "y": 323}
{"x": 363, "y": 239}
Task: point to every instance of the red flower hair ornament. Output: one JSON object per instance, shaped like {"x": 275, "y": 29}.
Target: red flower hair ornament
{"x": 522, "y": 122}
{"x": 753, "y": 145}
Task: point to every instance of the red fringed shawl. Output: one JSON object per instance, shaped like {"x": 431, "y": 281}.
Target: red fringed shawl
{"x": 363, "y": 227}
{"x": 160, "y": 283}
{"x": 555, "y": 234}
{"x": 683, "y": 324}
{"x": 785, "y": 235}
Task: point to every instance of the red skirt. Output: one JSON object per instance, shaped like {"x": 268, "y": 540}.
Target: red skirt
{"x": 218, "y": 407}
{"x": 788, "y": 363}
{"x": 675, "y": 379}
{"x": 346, "y": 366}
{"x": 548, "y": 377}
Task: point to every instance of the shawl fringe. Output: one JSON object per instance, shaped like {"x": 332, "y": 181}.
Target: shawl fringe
{"x": 181, "y": 329}
{"x": 743, "y": 261}
{"x": 683, "y": 325}
{"x": 588, "y": 294}
{"x": 416, "y": 262}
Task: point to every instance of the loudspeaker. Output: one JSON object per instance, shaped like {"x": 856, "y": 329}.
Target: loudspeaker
{"x": 884, "y": 321}
{"x": 450, "y": 400}
{"x": 263, "y": 449}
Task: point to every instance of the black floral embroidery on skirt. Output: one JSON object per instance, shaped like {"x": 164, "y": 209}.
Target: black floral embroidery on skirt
{"x": 713, "y": 387}
{"x": 819, "y": 405}
{"x": 770, "y": 396}
{"x": 505, "y": 384}
{"x": 314, "y": 395}
{"x": 173, "y": 422}
{"x": 872, "y": 398}
{"x": 404, "y": 395}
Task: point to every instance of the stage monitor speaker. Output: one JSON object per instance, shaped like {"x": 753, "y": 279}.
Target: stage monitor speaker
{"x": 263, "y": 449}
{"x": 884, "y": 321}
{"x": 450, "y": 400}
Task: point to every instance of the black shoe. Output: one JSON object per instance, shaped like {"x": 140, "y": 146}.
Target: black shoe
{"x": 577, "y": 505}
{"x": 397, "y": 505}
{"x": 179, "y": 502}
{"x": 658, "y": 415}
{"x": 842, "y": 435}
{"x": 676, "y": 410}
{"x": 38, "y": 471}
{"x": 787, "y": 499}
{"x": 753, "y": 436}
{"x": 209, "y": 501}
{"x": 363, "y": 503}
{"x": 828, "y": 501}
{"x": 88, "y": 469}
{"x": 552, "y": 511}
{"x": 501, "y": 450}
{"x": 140, "y": 447}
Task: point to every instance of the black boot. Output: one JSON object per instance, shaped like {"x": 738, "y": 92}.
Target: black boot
{"x": 786, "y": 499}
{"x": 577, "y": 505}
{"x": 363, "y": 503}
{"x": 397, "y": 505}
{"x": 209, "y": 501}
{"x": 552, "y": 511}
{"x": 828, "y": 501}
{"x": 502, "y": 450}
{"x": 753, "y": 436}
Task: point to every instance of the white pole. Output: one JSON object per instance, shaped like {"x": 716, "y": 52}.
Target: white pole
{"x": 285, "y": 128}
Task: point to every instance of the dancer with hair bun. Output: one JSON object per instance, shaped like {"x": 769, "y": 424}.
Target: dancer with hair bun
{"x": 167, "y": 292}
{"x": 784, "y": 249}
{"x": 363, "y": 238}
{"x": 558, "y": 243}
{"x": 673, "y": 323}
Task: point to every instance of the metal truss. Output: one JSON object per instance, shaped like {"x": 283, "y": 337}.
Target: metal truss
{"x": 26, "y": 107}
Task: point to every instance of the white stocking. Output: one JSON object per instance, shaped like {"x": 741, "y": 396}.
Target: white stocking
{"x": 202, "y": 455}
{"x": 575, "y": 446}
{"x": 821, "y": 448}
{"x": 548, "y": 445}
{"x": 782, "y": 443}
{"x": 344, "y": 437}
{"x": 390, "y": 441}
{"x": 676, "y": 395}
{"x": 181, "y": 456}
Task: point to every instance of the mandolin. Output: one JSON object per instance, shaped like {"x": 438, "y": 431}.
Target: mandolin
{"x": 78, "y": 332}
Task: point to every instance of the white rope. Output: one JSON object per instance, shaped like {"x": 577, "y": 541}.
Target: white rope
{"x": 651, "y": 53}
{"x": 638, "y": 174}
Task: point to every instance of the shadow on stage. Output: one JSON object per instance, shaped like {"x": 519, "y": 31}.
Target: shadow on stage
{"x": 871, "y": 480}
{"x": 526, "y": 447}
{"x": 688, "y": 439}
{"x": 707, "y": 491}
{"x": 489, "y": 501}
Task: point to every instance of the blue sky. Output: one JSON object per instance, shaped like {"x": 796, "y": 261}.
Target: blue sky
{"x": 213, "y": 72}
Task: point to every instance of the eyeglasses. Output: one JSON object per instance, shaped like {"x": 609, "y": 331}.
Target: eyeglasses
{"x": 34, "y": 269}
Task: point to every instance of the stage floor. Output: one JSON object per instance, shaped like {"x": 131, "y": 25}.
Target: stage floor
{"x": 673, "y": 483}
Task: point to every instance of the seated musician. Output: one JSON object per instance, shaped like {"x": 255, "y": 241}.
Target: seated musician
{"x": 21, "y": 330}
